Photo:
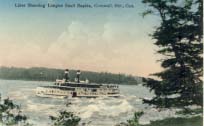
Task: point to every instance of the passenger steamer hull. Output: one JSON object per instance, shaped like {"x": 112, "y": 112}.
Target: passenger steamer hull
{"x": 72, "y": 89}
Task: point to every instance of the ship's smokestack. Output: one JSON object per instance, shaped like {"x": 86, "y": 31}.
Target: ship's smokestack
{"x": 66, "y": 75}
{"x": 78, "y": 75}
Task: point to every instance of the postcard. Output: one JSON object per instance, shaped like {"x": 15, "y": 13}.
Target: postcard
{"x": 101, "y": 62}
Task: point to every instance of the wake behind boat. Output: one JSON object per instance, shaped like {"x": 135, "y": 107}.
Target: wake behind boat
{"x": 67, "y": 89}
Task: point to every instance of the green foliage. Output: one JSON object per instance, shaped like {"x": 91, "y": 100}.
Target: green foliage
{"x": 48, "y": 74}
{"x": 135, "y": 120}
{"x": 179, "y": 38}
{"x": 10, "y": 114}
{"x": 193, "y": 121}
{"x": 179, "y": 121}
{"x": 65, "y": 119}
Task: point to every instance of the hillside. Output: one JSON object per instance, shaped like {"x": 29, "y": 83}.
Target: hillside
{"x": 50, "y": 74}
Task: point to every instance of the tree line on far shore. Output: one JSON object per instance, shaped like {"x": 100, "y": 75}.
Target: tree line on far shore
{"x": 51, "y": 74}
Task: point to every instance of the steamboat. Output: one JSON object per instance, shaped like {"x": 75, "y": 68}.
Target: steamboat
{"x": 67, "y": 89}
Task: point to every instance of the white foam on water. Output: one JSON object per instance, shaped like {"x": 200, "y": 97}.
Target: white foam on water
{"x": 38, "y": 107}
{"x": 16, "y": 95}
{"x": 102, "y": 111}
{"x": 103, "y": 107}
{"x": 20, "y": 95}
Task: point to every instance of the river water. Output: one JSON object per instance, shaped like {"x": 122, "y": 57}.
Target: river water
{"x": 103, "y": 111}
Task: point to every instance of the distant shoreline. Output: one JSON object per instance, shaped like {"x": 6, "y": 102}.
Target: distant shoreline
{"x": 24, "y": 80}
{"x": 50, "y": 75}
{"x": 52, "y": 81}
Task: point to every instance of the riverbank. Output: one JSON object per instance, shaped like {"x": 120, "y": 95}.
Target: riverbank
{"x": 51, "y": 74}
{"x": 193, "y": 121}
{"x": 179, "y": 121}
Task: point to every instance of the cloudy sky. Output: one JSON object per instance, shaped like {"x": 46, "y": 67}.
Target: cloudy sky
{"x": 112, "y": 40}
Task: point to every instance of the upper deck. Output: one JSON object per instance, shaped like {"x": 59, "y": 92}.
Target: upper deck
{"x": 87, "y": 85}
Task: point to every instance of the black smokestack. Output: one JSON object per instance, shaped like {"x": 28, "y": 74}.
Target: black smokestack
{"x": 66, "y": 75}
{"x": 78, "y": 75}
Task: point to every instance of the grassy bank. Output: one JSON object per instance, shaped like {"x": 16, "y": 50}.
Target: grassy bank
{"x": 194, "y": 121}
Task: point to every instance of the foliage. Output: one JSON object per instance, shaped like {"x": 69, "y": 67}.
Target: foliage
{"x": 193, "y": 121}
{"x": 135, "y": 120}
{"x": 179, "y": 38}
{"x": 10, "y": 114}
{"x": 65, "y": 119}
{"x": 48, "y": 74}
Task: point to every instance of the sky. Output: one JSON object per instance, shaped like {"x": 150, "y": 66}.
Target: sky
{"x": 99, "y": 39}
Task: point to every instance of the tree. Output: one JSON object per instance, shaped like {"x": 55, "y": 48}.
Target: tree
{"x": 179, "y": 38}
{"x": 65, "y": 119}
{"x": 51, "y": 74}
{"x": 135, "y": 120}
{"x": 10, "y": 114}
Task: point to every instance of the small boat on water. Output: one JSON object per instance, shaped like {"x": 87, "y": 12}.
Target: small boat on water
{"x": 66, "y": 89}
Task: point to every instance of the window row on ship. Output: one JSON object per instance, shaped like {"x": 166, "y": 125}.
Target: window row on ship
{"x": 57, "y": 92}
